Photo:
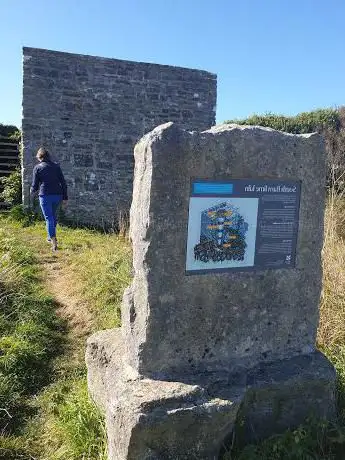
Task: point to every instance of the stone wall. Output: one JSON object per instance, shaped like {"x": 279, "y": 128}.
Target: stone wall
{"x": 90, "y": 111}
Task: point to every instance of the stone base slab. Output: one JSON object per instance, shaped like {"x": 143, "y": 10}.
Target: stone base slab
{"x": 194, "y": 416}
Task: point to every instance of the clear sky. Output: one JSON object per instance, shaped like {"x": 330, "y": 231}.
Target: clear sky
{"x": 282, "y": 56}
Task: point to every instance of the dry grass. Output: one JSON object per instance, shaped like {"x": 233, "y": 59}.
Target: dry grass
{"x": 332, "y": 310}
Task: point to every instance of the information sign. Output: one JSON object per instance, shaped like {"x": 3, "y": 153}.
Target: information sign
{"x": 243, "y": 224}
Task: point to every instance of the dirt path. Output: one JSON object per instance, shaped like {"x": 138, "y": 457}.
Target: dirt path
{"x": 57, "y": 277}
{"x": 71, "y": 308}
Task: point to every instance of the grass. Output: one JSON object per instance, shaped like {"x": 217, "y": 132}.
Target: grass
{"x": 100, "y": 270}
{"x": 316, "y": 440}
{"x": 31, "y": 334}
{"x": 47, "y": 413}
{"x": 70, "y": 426}
{"x": 97, "y": 266}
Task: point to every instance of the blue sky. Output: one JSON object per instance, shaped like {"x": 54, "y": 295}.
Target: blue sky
{"x": 283, "y": 56}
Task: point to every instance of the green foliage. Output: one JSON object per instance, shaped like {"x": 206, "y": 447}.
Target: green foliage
{"x": 74, "y": 421}
{"x": 15, "y": 136}
{"x": 328, "y": 122}
{"x": 12, "y": 184}
{"x": 9, "y": 131}
{"x": 14, "y": 448}
{"x": 316, "y": 440}
{"x": 99, "y": 267}
{"x": 106, "y": 272}
{"x": 337, "y": 356}
{"x": 24, "y": 216}
{"x": 305, "y": 122}
{"x": 12, "y": 188}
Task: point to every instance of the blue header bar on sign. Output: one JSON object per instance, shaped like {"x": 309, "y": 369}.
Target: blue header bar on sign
{"x": 212, "y": 188}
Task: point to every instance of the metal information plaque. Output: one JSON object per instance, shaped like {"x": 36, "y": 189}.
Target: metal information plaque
{"x": 242, "y": 224}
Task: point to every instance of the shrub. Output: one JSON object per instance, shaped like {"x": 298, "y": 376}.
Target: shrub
{"x": 12, "y": 188}
{"x": 25, "y": 216}
{"x": 328, "y": 122}
{"x": 9, "y": 131}
{"x": 305, "y": 122}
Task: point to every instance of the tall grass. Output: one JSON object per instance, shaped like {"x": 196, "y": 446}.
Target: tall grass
{"x": 70, "y": 426}
{"x": 319, "y": 440}
{"x": 45, "y": 410}
{"x": 331, "y": 333}
{"x": 31, "y": 333}
{"x": 99, "y": 271}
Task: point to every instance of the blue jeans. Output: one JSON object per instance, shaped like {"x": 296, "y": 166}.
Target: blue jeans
{"x": 49, "y": 205}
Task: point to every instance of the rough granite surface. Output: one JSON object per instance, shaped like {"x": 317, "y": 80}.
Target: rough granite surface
{"x": 201, "y": 357}
{"x": 195, "y": 416}
{"x": 175, "y": 323}
{"x": 90, "y": 111}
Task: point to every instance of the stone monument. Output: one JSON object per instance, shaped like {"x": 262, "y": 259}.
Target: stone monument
{"x": 219, "y": 323}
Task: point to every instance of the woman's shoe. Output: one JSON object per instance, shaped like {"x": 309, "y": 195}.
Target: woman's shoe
{"x": 54, "y": 243}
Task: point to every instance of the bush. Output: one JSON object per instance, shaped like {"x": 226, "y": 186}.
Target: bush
{"x": 25, "y": 216}
{"x": 9, "y": 131}
{"x": 12, "y": 188}
{"x": 305, "y": 122}
{"x": 330, "y": 123}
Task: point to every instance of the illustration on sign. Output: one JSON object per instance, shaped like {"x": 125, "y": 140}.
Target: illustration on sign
{"x": 222, "y": 234}
{"x": 242, "y": 225}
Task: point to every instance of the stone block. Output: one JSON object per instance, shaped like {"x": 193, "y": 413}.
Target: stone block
{"x": 194, "y": 416}
{"x": 82, "y": 161}
{"x": 235, "y": 315}
{"x": 203, "y": 354}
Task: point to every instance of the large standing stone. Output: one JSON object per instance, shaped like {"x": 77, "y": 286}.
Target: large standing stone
{"x": 195, "y": 352}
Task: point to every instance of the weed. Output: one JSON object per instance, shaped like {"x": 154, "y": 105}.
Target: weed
{"x": 14, "y": 448}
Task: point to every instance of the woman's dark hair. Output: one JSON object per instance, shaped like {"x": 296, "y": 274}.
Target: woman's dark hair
{"x": 43, "y": 154}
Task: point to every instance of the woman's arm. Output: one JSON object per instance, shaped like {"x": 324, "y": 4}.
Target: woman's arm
{"x": 63, "y": 184}
{"x": 35, "y": 181}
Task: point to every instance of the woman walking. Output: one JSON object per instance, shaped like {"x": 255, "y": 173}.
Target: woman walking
{"x": 49, "y": 182}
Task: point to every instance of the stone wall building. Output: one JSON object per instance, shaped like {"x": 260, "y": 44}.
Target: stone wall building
{"x": 90, "y": 111}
